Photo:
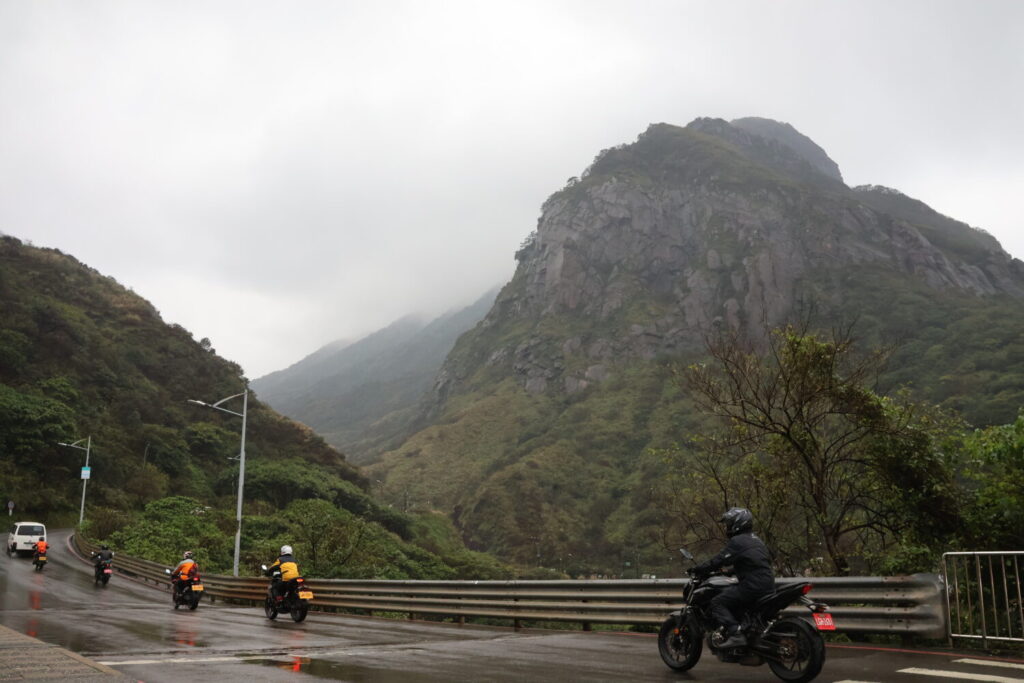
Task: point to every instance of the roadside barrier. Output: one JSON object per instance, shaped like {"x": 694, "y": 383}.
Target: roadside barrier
{"x": 905, "y": 605}
{"x": 984, "y": 597}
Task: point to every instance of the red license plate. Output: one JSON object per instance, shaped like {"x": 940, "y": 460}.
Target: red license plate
{"x": 108, "y": 571}
{"x": 824, "y": 622}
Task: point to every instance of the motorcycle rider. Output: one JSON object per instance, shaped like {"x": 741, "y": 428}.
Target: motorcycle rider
{"x": 751, "y": 562}
{"x": 289, "y": 572}
{"x": 105, "y": 554}
{"x": 186, "y": 570}
{"x": 39, "y": 547}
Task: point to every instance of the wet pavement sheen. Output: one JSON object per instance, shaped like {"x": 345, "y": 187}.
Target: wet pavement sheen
{"x": 133, "y": 628}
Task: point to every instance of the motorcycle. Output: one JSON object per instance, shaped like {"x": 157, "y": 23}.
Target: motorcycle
{"x": 102, "y": 572}
{"x": 793, "y": 649}
{"x": 295, "y": 600}
{"x": 39, "y": 561}
{"x": 191, "y": 589}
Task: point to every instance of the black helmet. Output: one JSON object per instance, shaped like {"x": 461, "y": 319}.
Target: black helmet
{"x": 103, "y": 547}
{"x": 737, "y": 520}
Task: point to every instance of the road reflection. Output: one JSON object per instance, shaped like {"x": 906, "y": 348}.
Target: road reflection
{"x": 184, "y": 636}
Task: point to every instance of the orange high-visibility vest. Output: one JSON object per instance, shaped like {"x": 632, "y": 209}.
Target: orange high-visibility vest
{"x": 41, "y": 547}
{"x": 185, "y": 568}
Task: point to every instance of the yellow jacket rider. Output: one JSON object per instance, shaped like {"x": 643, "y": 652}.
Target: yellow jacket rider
{"x": 289, "y": 572}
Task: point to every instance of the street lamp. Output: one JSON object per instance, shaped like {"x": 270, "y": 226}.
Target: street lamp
{"x": 241, "y": 460}
{"x": 85, "y": 470}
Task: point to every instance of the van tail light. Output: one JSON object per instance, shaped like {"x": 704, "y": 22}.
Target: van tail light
{"x": 806, "y": 589}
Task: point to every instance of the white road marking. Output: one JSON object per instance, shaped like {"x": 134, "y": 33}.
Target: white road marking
{"x": 847, "y": 680}
{"x": 986, "y": 662}
{"x": 961, "y": 675}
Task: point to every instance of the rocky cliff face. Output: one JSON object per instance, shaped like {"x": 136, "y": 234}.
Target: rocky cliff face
{"x": 714, "y": 223}
{"x": 537, "y": 436}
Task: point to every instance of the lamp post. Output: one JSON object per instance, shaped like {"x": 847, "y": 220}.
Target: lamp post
{"x": 241, "y": 460}
{"x": 85, "y": 476}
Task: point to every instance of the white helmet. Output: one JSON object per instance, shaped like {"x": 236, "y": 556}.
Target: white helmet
{"x": 286, "y": 550}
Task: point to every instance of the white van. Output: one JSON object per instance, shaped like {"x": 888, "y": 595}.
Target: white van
{"x": 24, "y": 535}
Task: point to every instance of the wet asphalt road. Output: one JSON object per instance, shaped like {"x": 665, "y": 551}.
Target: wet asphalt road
{"x": 132, "y": 628}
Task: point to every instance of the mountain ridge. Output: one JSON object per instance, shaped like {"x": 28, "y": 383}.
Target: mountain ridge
{"x": 541, "y": 415}
{"x": 362, "y": 396}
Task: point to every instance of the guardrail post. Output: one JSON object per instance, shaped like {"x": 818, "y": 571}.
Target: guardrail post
{"x": 462, "y": 620}
{"x": 981, "y": 601}
{"x": 516, "y": 624}
{"x": 587, "y": 626}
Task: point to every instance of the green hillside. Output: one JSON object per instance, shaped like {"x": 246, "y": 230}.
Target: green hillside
{"x": 81, "y": 356}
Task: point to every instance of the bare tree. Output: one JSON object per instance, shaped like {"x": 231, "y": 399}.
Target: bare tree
{"x": 803, "y": 438}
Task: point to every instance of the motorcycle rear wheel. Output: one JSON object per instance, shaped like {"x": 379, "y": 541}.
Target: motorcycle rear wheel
{"x": 269, "y": 608}
{"x": 803, "y": 650}
{"x": 193, "y": 602}
{"x": 680, "y": 650}
{"x": 298, "y": 612}
{"x": 105, "y": 579}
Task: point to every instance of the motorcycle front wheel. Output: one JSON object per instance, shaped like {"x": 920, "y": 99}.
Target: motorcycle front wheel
{"x": 680, "y": 647}
{"x": 801, "y": 650}
{"x": 269, "y": 608}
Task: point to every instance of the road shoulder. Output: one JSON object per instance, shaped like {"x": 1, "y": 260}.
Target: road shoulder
{"x": 24, "y": 657}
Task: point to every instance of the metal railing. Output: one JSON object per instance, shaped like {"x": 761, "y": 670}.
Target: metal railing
{"x": 983, "y": 596}
{"x": 906, "y": 605}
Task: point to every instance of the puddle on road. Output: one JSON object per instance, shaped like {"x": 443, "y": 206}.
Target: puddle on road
{"x": 341, "y": 671}
{"x": 53, "y": 632}
{"x": 184, "y": 637}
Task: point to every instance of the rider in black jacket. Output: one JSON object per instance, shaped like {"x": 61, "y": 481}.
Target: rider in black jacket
{"x": 751, "y": 562}
{"x": 105, "y": 554}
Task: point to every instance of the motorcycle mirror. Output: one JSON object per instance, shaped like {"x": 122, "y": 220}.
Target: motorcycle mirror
{"x": 686, "y": 553}
{"x": 263, "y": 567}
{"x": 167, "y": 571}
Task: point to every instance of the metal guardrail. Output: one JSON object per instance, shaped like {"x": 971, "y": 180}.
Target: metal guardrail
{"x": 983, "y": 597}
{"x": 906, "y": 605}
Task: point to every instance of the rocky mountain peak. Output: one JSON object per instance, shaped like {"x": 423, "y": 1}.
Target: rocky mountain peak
{"x": 712, "y": 223}
{"x": 774, "y": 144}
{"x": 787, "y": 135}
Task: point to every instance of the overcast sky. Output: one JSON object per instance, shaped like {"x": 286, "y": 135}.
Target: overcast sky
{"x": 277, "y": 175}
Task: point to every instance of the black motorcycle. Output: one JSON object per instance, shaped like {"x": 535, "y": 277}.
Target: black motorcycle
{"x": 102, "y": 572}
{"x": 794, "y": 649}
{"x": 39, "y": 561}
{"x": 186, "y": 592}
{"x": 295, "y": 600}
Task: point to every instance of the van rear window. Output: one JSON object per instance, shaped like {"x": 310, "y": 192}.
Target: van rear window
{"x": 30, "y": 530}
